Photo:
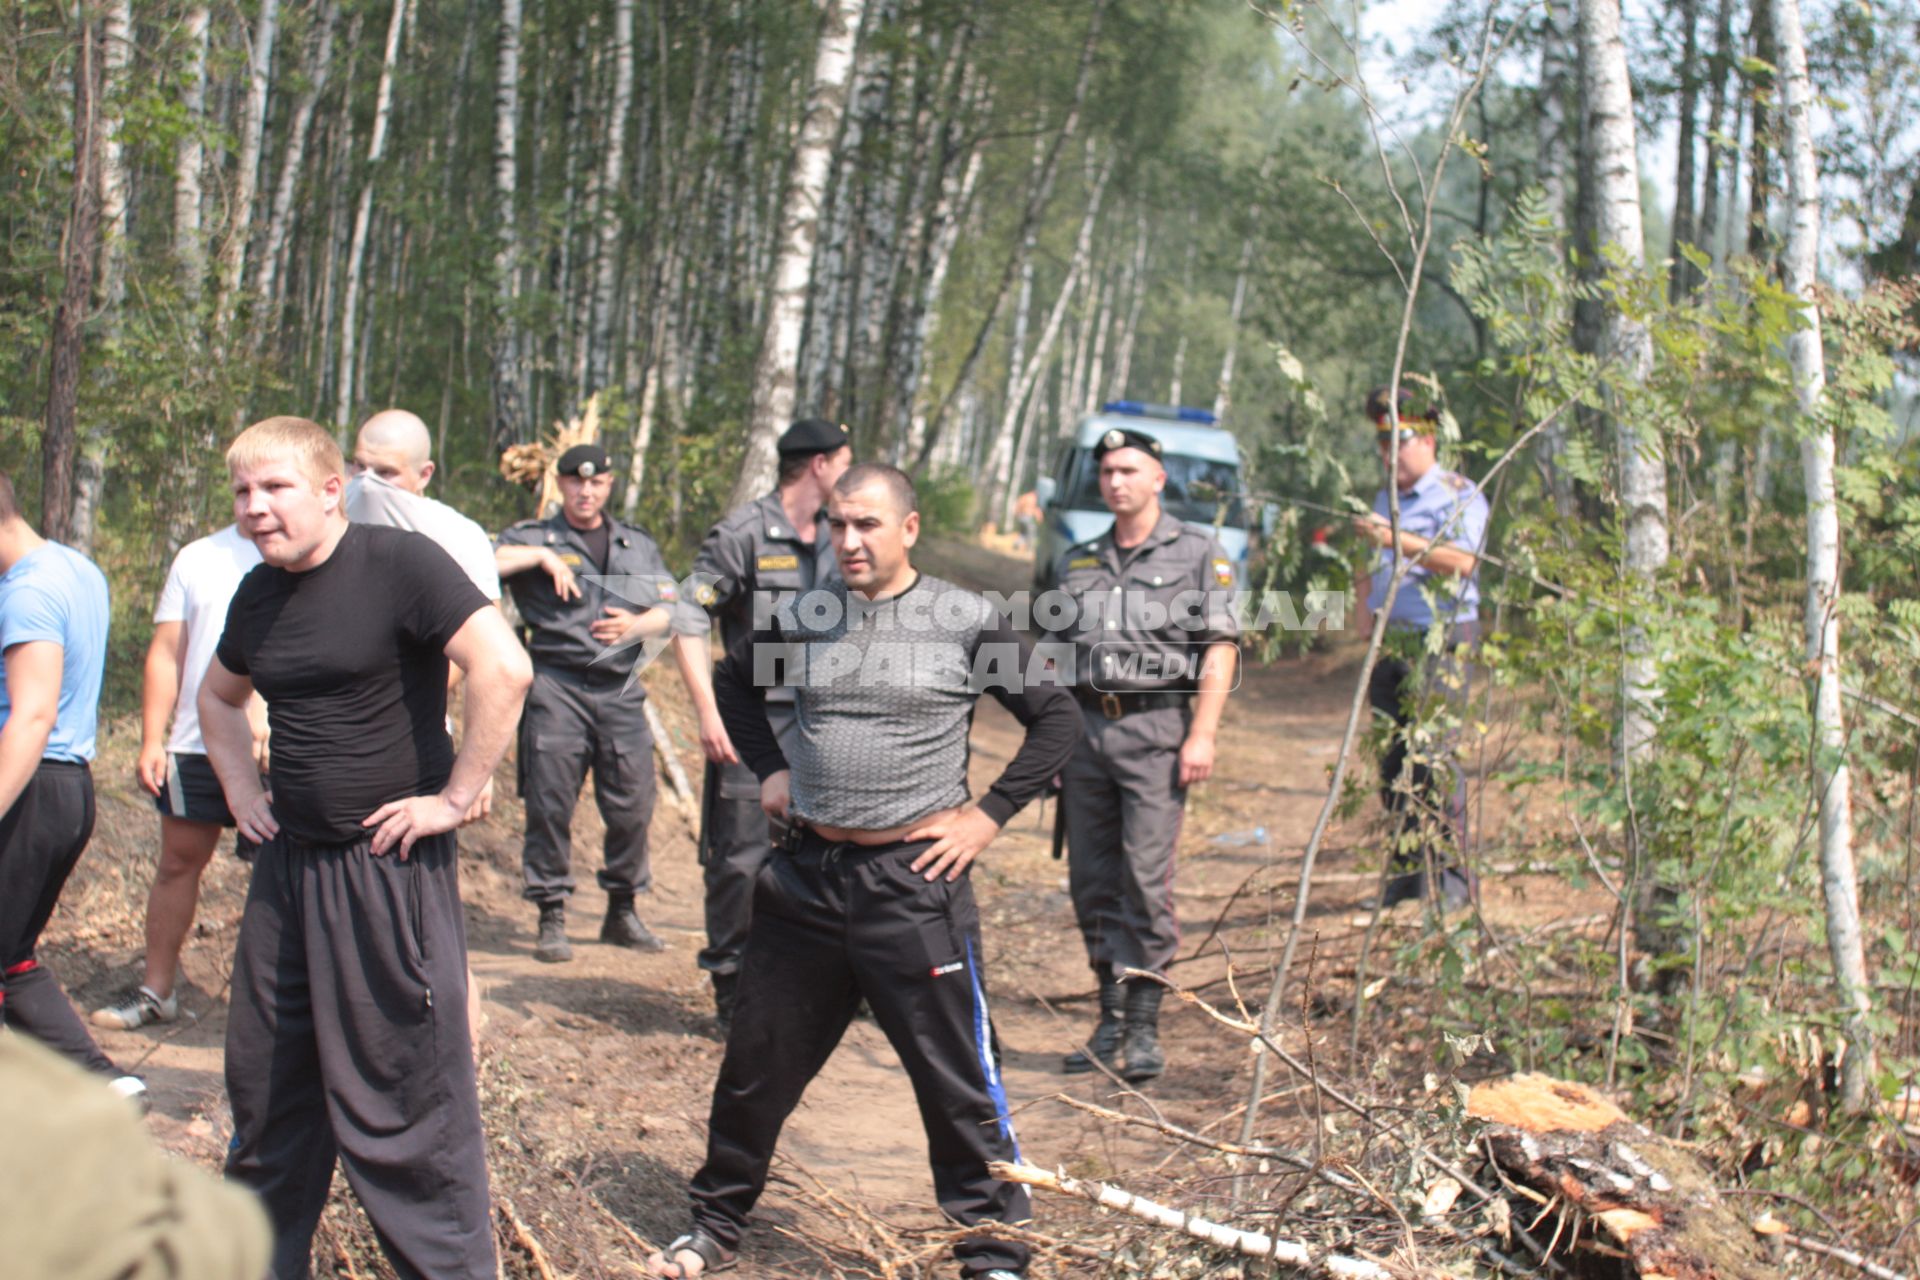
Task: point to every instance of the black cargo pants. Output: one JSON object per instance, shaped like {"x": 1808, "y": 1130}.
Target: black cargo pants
{"x": 735, "y": 845}
{"x": 573, "y": 722}
{"x": 41, "y": 839}
{"x": 833, "y": 923}
{"x": 347, "y": 1038}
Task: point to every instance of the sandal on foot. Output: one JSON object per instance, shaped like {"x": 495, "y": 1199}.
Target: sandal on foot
{"x": 697, "y": 1242}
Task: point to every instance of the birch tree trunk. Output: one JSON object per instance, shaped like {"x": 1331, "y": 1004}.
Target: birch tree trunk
{"x": 116, "y": 31}
{"x": 1627, "y": 348}
{"x": 362, "y": 219}
{"x": 246, "y": 179}
{"x": 271, "y": 268}
{"x": 1838, "y": 880}
{"x": 774, "y": 374}
{"x": 607, "y": 254}
{"x": 956, "y": 195}
{"x": 1710, "y": 238}
{"x": 57, "y": 445}
{"x": 1556, "y": 32}
{"x": 1186, "y": 296}
{"x": 1137, "y": 294}
{"x": 1008, "y": 463}
{"x": 189, "y": 159}
{"x": 1683, "y": 280}
{"x": 509, "y": 385}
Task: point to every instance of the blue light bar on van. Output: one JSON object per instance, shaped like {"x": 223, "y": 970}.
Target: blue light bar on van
{"x": 1141, "y": 409}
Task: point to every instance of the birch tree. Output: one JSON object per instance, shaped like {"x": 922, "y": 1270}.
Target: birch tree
{"x": 190, "y": 158}
{"x": 607, "y": 230}
{"x": 774, "y": 373}
{"x": 1838, "y": 881}
{"x": 253, "y": 125}
{"x": 270, "y": 268}
{"x": 1627, "y": 347}
{"x": 344, "y": 381}
{"x": 83, "y": 228}
{"x": 509, "y": 386}
{"x": 116, "y": 51}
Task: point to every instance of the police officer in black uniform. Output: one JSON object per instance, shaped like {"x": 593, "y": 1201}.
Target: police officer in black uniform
{"x": 582, "y": 711}
{"x": 1156, "y": 645}
{"x": 762, "y": 551}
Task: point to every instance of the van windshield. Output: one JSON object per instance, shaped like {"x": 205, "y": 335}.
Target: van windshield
{"x": 1195, "y": 487}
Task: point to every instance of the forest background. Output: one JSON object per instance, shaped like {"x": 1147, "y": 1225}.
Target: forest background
{"x": 958, "y": 226}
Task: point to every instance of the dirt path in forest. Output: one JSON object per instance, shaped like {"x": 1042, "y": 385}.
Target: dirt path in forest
{"x": 596, "y": 1073}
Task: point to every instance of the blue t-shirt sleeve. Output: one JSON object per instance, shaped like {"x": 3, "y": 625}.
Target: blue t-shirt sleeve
{"x": 28, "y": 613}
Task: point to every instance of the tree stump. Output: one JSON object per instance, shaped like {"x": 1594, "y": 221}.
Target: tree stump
{"x": 1649, "y": 1196}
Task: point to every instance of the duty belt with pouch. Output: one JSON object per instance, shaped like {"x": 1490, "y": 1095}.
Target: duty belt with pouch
{"x": 1115, "y": 705}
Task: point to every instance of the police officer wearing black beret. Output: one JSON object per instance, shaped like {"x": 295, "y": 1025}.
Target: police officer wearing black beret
{"x": 774, "y": 546}
{"x": 581, "y": 713}
{"x": 1156, "y": 646}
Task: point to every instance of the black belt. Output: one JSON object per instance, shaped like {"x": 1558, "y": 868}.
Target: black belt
{"x": 590, "y": 677}
{"x": 1115, "y": 705}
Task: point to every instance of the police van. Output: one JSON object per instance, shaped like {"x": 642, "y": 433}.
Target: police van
{"x": 1204, "y": 467}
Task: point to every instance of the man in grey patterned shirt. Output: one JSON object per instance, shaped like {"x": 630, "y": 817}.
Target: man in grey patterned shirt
{"x": 870, "y": 896}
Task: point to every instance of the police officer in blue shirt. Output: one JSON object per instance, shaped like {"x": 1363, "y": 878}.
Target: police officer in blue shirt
{"x": 1443, "y": 527}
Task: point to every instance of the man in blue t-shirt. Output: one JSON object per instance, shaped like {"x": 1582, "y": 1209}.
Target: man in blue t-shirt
{"x": 53, "y": 633}
{"x": 1443, "y": 529}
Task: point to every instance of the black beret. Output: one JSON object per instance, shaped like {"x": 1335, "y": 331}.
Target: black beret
{"x": 812, "y": 435}
{"x": 1126, "y": 438}
{"x": 583, "y": 460}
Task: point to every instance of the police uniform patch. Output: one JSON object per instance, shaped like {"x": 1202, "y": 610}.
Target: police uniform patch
{"x": 1455, "y": 481}
{"x": 1223, "y": 572}
{"x": 571, "y": 560}
{"x": 704, "y": 594}
{"x": 1084, "y": 562}
{"x": 669, "y": 590}
{"x": 765, "y": 563}
{"x": 1114, "y": 439}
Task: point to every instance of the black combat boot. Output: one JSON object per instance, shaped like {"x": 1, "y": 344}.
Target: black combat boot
{"x": 552, "y": 946}
{"x": 1140, "y": 1046}
{"x": 623, "y": 927}
{"x": 1105, "y": 1042}
{"x": 726, "y": 993}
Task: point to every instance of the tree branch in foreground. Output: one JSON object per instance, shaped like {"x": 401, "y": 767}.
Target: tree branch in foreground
{"x": 1252, "y": 1244}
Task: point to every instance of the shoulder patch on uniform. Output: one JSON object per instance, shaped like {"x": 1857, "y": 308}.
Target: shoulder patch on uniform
{"x": 533, "y": 523}
{"x": 669, "y": 590}
{"x": 1455, "y": 481}
{"x": 765, "y": 563}
{"x": 1223, "y": 572}
{"x": 1084, "y": 562}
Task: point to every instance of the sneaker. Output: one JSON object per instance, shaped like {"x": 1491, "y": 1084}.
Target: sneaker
{"x": 133, "y": 1089}
{"x": 552, "y": 946}
{"x": 1001, "y": 1274}
{"x": 136, "y": 1008}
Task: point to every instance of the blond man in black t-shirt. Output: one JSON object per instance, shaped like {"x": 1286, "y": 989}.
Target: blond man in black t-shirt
{"x": 347, "y": 1038}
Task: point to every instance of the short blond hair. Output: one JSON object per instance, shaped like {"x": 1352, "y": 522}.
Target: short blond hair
{"x": 309, "y": 445}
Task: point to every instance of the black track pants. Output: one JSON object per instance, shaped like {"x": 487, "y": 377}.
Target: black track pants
{"x": 347, "y": 1038}
{"x": 833, "y": 923}
{"x": 41, "y": 838}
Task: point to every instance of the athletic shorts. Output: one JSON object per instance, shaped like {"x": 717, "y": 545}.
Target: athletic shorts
{"x": 192, "y": 792}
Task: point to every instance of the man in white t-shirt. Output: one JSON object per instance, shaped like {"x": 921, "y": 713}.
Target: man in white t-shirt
{"x": 391, "y": 468}
{"x": 173, "y": 767}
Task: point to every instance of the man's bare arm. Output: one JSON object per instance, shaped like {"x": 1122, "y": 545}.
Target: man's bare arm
{"x": 33, "y": 704}
{"x": 498, "y": 674}
{"x": 1217, "y": 666}
{"x": 159, "y": 690}
{"x": 229, "y": 736}
{"x": 696, "y": 672}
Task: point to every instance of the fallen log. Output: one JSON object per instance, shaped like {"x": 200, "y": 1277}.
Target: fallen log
{"x": 1251, "y": 1244}
{"x": 1566, "y": 1143}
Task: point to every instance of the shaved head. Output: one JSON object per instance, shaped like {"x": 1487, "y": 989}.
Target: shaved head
{"x": 898, "y": 485}
{"x": 396, "y": 446}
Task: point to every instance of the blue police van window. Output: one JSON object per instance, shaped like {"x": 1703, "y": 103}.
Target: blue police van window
{"x": 1195, "y": 487}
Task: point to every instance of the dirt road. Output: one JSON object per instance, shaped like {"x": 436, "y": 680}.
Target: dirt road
{"x": 596, "y": 1073}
